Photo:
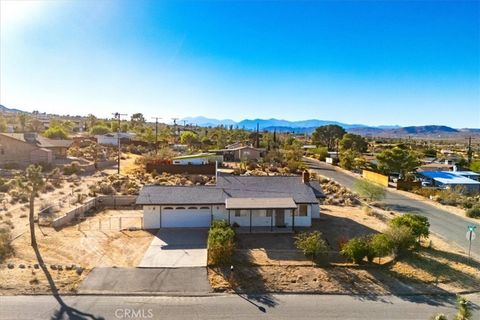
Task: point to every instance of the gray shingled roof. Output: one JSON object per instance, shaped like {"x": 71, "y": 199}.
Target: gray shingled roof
{"x": 233, "y": 187}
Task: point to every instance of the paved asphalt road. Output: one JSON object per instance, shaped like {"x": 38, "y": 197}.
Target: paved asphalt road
{"x": 451, "y": 227}
{"x": 230, "y": 307}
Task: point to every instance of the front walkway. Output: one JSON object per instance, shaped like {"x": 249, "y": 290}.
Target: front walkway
{"x": 177, "y": 248}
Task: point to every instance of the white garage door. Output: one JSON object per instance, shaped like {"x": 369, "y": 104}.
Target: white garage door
{"x": 186, "y": 217}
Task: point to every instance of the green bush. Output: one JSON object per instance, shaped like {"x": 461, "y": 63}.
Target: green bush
{"x": 312, "y": 245}
{"x": 56, "y": 133}
{"x": 473, "y": 212}
{"x": 6, "y": 248}
{"x": 401, "y": 239}
{"x": 418, "y": 224}
{"x": 380, "y": 245}
{"x": 73, "y": 168}
{"x": 221, "y": 243}
{"x": 356, "y": 249}
{"x": 99, "y": 129}
{"x": 369, "y": 190}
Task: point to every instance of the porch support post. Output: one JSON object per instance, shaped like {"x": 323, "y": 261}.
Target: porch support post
{"x": 229, "y": 217}
{"x": 271, "y": 221}
{"x": 250, "y": 220}
{"x": 293, "y": 219}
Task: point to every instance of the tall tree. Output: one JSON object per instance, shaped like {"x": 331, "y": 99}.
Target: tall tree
{"x": 397, "y": 160}
{"x": 353, "y": 142}
{"x": 32, "y": 183}
{"x": 137, "y": 120}
{"x": 328, "y": 135}
{"x": 22, "y": 120}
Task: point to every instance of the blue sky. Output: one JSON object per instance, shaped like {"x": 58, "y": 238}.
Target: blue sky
{"x": 371, "y": 62}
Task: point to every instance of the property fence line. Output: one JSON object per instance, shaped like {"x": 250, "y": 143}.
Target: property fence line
{"x": 97, "y": 203}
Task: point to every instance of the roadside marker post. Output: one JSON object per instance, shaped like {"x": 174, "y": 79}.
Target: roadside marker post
{"x": 470, "y": 237}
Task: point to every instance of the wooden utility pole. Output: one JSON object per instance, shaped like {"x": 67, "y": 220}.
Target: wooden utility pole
{"x": 118, "y": 116}
{"x": 156, "y": 133}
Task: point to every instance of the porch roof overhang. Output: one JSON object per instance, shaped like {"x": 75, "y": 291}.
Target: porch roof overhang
{"x": 260, "y": 203}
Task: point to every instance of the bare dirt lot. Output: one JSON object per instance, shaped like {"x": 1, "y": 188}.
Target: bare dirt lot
{"x": 271, "y": 263}
{"x": 84, "y": 245}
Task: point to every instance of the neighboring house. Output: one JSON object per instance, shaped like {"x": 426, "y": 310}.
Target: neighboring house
{"x": 197, "y": 159}
{"x": 451, "y": 179}
{"x": 112, "y": 138}
{"x": 436, "y": 166}
{"x": 246, "y": 201}
{"x": 22, "y": 149}
{"x": 234, "y": 145}
{"x": 241, "y": 153}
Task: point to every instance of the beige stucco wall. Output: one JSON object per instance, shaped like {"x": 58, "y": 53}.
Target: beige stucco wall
{"x": 13, "y": 151}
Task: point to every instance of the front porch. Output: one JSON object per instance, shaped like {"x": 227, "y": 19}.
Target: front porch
{"x": 260, "y": 215}
{"x": 285, "y": 230}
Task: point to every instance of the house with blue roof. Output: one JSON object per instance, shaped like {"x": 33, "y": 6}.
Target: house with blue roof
{"x": 466, "y": 181}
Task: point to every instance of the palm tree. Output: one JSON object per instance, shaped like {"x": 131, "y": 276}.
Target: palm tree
{"x": 32, "y": 184}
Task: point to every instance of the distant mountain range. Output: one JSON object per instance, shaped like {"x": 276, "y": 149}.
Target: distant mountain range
{"x": 308, "y": 126}
{"x": 270, "y": 124}
{"x": 5, "y": 109}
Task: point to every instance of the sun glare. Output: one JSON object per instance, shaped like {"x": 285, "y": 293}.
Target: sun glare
{"x": 19, "y": 11}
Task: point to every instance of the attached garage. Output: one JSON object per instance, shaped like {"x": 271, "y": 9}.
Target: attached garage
{"x": 155, "y": 217}
{"x": 186, "y": 217}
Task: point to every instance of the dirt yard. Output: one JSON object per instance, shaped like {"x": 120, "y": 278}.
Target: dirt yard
{"x": 271, "y": 263}
{"x": 95, "y": 242}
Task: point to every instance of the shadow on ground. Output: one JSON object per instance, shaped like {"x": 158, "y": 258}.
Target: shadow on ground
{"x": 65, "y": 311}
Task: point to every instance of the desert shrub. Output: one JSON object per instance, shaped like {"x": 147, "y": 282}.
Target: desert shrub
{"x": 380, "y": 245}
{"x": 419, "y": 225}
{"x": 356, "y": 249}
{"x": 73, "y": 168}
{"x": 6, "y": 248}
{"x": 371, "y": 191}
{"x": 99, "y": 129}
{"x": 221, "y": 243}
{"x": 473, "y": 212}
{"x": 312, "y": 245}
{"x": 56, "y": 133}
{"x": 105, "y": 188}
{"x": 401, "y": 239}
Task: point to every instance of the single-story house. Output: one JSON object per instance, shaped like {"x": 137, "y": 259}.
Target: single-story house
{"x": 112, "y": 138}
{"x": 241, "y": 153}
{"x": 197, "y": 159}
{"x": 23, "y": 149}
{"x": 451, "y": 179}
{"x": 245, "y": 201}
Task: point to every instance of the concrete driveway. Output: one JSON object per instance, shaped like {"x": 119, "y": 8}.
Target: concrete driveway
{"x": 177, "y": 248}
{"x": 138, "y": 280}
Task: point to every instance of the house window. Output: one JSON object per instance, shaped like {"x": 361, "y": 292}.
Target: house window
{"x": 269, "y": 213}
{"x": 303, "y": 210}
{"x": 180, "y": 208}
{"x": 168, "y": 208}
{"x": 2, "y": 151}
{"x": 203, "y": 208}
{"x": 194, "y": 208}
{"x": 239, "y": 213}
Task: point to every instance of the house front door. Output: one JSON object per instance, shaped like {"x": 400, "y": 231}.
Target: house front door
{"x": 279, "y": 217}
